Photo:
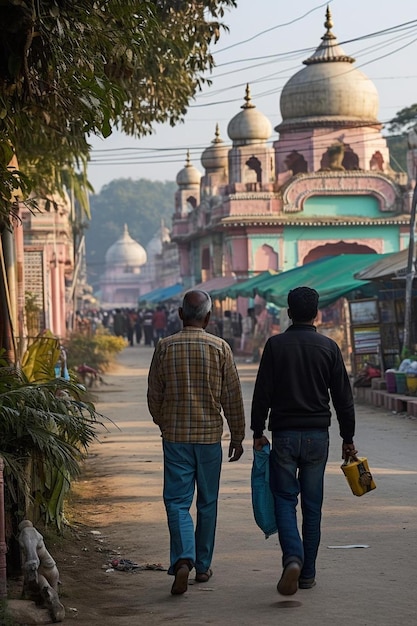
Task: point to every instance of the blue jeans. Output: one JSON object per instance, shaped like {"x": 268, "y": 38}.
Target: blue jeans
{"x": 187, "y": 466}
{"x": 297, "y": 463}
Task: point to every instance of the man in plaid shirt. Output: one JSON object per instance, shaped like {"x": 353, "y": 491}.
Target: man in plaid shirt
{"x": 192, "y": 384}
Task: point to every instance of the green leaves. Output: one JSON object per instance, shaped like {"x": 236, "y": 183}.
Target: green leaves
{"x": 72, "y": 69}
{"x": 45, "y": 431}
{"x": 404, "y": 120}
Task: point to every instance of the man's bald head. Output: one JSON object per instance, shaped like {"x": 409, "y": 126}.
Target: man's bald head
{"x": 196, "y": 308}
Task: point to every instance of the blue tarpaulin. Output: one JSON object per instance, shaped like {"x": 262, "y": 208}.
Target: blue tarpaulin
{"x": 162, "y": 294}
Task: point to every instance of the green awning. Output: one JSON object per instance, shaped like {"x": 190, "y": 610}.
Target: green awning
{"x": 333, "y": 277}
{"x": 246, "y": 289}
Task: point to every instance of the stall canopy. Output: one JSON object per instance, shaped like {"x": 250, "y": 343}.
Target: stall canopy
{"x": 333, "y": 277}
{"x": 391, "y": 266}
{"x": 162, "y": 294}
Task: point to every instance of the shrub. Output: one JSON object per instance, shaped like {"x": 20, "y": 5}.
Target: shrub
{"x": 97, "y": 351}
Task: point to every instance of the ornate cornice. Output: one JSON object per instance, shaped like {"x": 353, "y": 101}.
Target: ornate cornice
{"x": 326, "y": 122}
{"x": 258, "y": 220}
{"x": 261, "y": 195}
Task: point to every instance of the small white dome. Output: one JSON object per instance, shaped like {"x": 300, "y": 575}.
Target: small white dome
{"x": 250, "y": 125}
{"x": 126, "y": 251}
{"x": 189, "y": 176}
{"x": 215, "y": 156}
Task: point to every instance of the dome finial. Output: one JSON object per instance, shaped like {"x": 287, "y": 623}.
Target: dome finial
{"x": 329, "y": 50}
{"x": 189, "y": 175}
{"x": 125, "y": 230}
{"x": 217, "y": 138}
{"x": 248, "y": 100}
{"x": 328, "y": 24}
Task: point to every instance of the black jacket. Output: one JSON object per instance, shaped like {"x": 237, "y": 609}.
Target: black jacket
{"x": 299, "y": 371}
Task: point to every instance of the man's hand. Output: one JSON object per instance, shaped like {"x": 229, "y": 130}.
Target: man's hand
{"x": 235, "y": 451}
{"x": 348, "y": 450}
{"x": 258, "y": 444}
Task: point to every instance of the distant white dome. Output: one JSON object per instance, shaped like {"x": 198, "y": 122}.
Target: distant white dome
{"x": 155, "y": 245}
{"x": 250, "y": 125}
{"x": 126, "y": 251}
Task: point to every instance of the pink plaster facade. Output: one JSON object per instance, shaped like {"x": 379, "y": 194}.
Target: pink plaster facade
{"x": 48, "y": 263}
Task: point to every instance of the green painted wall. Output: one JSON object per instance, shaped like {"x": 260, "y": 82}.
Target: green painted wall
{"x": 366, "y": 206}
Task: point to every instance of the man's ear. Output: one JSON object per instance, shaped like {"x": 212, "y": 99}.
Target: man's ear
{"x": 206, "y": 319}
{"x": 180, "y": 313}
{"x": 289, "y": 314}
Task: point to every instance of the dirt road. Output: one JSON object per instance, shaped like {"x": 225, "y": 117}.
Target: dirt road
{"x": 119, "y": 496}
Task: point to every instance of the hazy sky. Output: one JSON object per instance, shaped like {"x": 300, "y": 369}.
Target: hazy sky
{"x": 266, "y": 44}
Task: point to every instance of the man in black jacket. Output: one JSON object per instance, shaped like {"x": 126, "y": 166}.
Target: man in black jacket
{"x": 299, "y": 371}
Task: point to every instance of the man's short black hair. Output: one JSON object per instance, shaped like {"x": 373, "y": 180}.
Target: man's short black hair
{"x": 303, "y": 304}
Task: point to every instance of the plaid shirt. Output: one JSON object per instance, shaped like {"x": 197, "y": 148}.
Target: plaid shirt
{"x": 191, "y": 379}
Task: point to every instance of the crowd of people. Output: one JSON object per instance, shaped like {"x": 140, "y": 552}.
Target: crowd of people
{"x": 245, "y": 334}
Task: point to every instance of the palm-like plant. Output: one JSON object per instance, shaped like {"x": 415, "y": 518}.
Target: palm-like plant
{"x": 45, "y": 430}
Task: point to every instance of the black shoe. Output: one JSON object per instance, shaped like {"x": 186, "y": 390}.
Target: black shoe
{"x": 180, "y": 584}
{"x": 306, "y": 583}
{"x": 288, "y": 583}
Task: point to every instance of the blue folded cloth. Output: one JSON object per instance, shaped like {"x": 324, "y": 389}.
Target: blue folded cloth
{"x": 262, "y": 499}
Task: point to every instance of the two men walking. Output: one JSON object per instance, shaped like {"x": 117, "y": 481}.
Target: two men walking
{"x": 193, "y": 378}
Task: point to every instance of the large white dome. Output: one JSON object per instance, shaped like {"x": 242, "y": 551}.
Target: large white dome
{"x": 328, "y": 90}
{"x": 126, "y": 251}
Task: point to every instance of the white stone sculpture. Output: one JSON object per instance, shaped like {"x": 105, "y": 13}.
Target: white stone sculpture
{"x": 41, "y": 575}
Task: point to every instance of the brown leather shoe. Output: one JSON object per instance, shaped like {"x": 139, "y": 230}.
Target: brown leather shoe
{"x": 180, "y": 584}
{"x": 203, "y": 577}
{"x": 288, "y": 583}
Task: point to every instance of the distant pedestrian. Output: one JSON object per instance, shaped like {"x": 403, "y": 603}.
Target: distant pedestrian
{"x": 297, "y": 371}
{"x": 119, "y": 324}
{"x": 159, "y": 324}
{"x": 138, "y": 327}
{"x": 147, "y": 327}
{"x": 248, "y": 327}
{"x": 192, "y": 383}
{"x": 130, "y": 325}
{"x": 174, "y": 322}
{"x": 227, "y": 328}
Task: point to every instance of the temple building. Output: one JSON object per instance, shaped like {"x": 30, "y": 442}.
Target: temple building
{"x": 323, "y": 187}
{"x": 120, "y": 282}
{"x": 131, "y": 270}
